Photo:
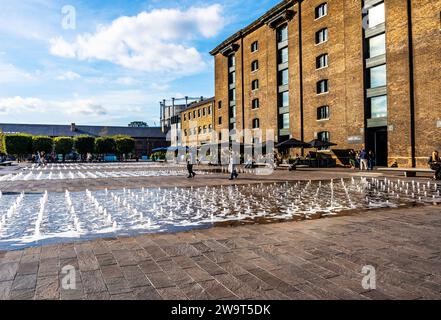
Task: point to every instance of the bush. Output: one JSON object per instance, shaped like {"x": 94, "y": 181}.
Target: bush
{"x": 63, "y": 145}
{"x": 84, "y": 145}
{"x": 124, "y": 144}
{"x": 18, "y": 145}
{"x": 42, "y": 144}
{"x": 158, "y": 155}
{"x": 104, "y": 145}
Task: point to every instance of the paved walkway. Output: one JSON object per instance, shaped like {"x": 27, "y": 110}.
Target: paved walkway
{"x": 319, "y": 259}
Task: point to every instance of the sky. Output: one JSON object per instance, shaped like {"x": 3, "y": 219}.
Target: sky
{"x": 110, "y": 62}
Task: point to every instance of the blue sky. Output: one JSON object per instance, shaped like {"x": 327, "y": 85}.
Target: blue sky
{"x": 110, "y": 62}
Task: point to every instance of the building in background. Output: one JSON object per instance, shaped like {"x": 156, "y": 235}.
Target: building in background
{"x": 146, "y": 138}
{"x": 197, "y": 123}
{"x": 138, "y": 124}
{"x": 170, "y": 117}
{"x": 357, "y": 73}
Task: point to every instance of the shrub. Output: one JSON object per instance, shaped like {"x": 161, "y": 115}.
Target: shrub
{"x": 42, "y": 144}
{"x": 18, "y": 145}
{"x": 104, "y": 145}
{"x": 63, "y": 145}
{"x": 124, "y": 144}
{"x": 84, "y": 144}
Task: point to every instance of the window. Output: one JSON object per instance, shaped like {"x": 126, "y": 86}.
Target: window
{"x": 194, "y": 114}
{"x": 199, "y": 130}
{"x": 232, "y": 94}
{"x": 185, "y": 116}
{"x": 220, "y": 136}
{"x": 285, "y": 121}
{"x": 256, "y": 123}
{"x": 219, "y": 104}
{"x": 219, "y": 121}
{"x": 204, "y": 111}
{"x": 323, "y": 112}
{"x": 282, "y": 34}
{"x": 377, "y": 76}
{"x": 321, "y": 10}
{"x": 189, "y": 116}
{"x": 209, "y": 110}
{"x": 185, "y": 132}
{"x": 231, "y": 61}
{"x": 376, "y": 15}
{"x": 205, "y": 129}
{"x": 321, "y": 36}
{"x": 322, "y": 61}
{"x": 254, "y": 46}
{"x": 377, "y": 45}
{"x": 232, "y": 78}
{"x": 284, "y": 99}
{"x": 210, "y": 127}
{"x": 255, "y": 84}
{"x": 378, "y": 107}
{"x": 323, "y": 136}
{"x": 233, "y": 112}
{"x": 283, "y": 55}
{"x": 199, "y": 113}
{"x": 322, "y": 86}
{"x": 283, "y": 77}
{"x": 255, "y": 104}
{"x": 255, "y": 65}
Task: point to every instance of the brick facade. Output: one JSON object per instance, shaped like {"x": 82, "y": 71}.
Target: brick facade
{"x": 197, "y": 123}
{"x": 348, "y": 124}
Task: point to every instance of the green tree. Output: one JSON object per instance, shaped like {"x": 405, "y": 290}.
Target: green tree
{"x": 18, "y": 145}
{"x": 84, "y": 145}
{"x": 105, "y": 145}
{"x": 124, "y": 145}
{"x": 63, "y": 146}
{"x": 42, "y": 144}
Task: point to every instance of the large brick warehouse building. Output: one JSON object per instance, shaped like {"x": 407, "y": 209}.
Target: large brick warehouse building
{"x": 357, "y": 73}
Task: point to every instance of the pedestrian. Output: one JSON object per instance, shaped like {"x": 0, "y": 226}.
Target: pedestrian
{"x": 363, "y": 160}
{"x": 352, "y": 159}
{"x": 232, "y": 167}
{"x": 191, "y": 173}
{"x": 434, "y": 157}
{"x": 371, "y": 159}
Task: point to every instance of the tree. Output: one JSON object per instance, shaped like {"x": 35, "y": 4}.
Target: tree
{"x": 63, "y": 146}
{"x": 84, "y": 145}
{"x": 124, "y": 144}
{"x": 42, "y": 144}
{"x": 105, "y": 145}
{"x": 17, "y": 145}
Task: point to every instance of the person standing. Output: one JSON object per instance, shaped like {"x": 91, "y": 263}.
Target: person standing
{"x": 371, "y": 159}
{"x": 363, "y": 160}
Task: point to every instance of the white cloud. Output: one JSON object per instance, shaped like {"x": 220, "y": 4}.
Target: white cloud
{"x": 11, "y": 74}
{"x": 153, "y": 41}
{"x": 19, "y": 104}
{"x": 127, "y": 81}
{"x": 68, "y": 75}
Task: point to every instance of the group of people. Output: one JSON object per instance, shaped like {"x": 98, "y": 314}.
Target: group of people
{"x": 39, "y": 158}
{"x": 231, "y": 166}
{"x": 362, "y": 159}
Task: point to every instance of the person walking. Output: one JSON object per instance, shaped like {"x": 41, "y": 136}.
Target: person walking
{"x": 232, "y": 167}
{"x": 191, "y": 173}
{"x": 352, "y": 159}
{"x": 363, "y": 160}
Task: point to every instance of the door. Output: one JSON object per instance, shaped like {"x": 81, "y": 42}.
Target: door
{"x": 381, "y": 147}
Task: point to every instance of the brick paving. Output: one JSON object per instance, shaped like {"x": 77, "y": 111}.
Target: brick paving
{"x": 317, "y": 259}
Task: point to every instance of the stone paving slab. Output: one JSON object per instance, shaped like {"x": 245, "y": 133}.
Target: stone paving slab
{"x": 318, "y": 259}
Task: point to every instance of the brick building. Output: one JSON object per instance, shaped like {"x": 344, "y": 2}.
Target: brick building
{"x": 197, "y": 123}
{"x": 357, "y": 73}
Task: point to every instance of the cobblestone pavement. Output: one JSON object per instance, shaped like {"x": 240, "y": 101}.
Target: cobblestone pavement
{"x": 318, "y": 259}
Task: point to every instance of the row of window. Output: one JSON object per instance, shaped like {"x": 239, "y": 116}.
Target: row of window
{"x": 200, "y": 113}
{"x": 199, "y": 130}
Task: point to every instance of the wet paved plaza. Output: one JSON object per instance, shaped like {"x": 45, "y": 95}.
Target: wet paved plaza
{"x": 310, "y": 259}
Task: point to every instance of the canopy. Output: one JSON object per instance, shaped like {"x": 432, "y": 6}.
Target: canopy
{"x": 292, "y": 143}
{"x": 316, "y": 143}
